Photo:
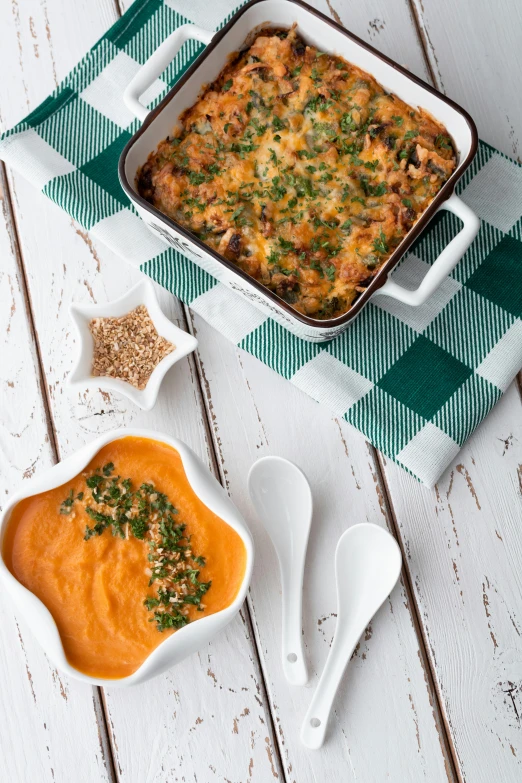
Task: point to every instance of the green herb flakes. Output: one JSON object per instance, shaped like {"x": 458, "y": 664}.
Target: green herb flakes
{"x": 379, "y": 244}
{"x": 150, "y": 516}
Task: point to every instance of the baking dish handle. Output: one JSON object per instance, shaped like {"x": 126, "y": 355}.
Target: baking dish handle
{"x": 156, "y": 64}
{"x": 443, "y": 265}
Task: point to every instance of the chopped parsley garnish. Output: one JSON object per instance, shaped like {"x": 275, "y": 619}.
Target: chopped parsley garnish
{"x": 317, "y": 266}
{"x": 196, "y": 177}
{"x": 347, "y": 123}
{"x": 380, "y": 245}
{"x": 305, "y": 154}
{"x": 237, "y": 212}
{"x": 377, "y": 190}
{"x": 443, "y": 142}
{"x": 277, "y": 191}
{"x": 260, "y": 129}
{"x": 371, "y": 164}
{"x": 350, "y": 139}
{"x": 67, "y": 504}
{"x": 330, "y": 272}
{"x": 286, "y": 246}
{"x": 150, "y": 516}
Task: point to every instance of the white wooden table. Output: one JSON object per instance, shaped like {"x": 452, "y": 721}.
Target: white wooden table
{"x": 434, "y": 691}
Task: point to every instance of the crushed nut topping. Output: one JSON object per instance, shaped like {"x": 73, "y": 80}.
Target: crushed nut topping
{"x": 146, "y": 514}
{"x": 128, "y": 348}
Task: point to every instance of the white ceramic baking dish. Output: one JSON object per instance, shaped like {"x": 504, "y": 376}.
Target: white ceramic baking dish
{"x": 320, "y": 31}
{"x": 183, "y": 642}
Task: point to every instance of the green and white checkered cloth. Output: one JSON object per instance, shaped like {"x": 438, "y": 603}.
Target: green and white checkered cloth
{"x": 415, "y": 381}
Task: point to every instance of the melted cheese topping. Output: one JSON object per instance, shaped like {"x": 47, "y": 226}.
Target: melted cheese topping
{"x": 301, "y": 169}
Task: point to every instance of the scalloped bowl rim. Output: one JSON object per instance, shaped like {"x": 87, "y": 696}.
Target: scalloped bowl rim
{"x": 184, "y": 641}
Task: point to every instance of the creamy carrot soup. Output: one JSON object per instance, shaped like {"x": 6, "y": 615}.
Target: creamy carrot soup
{"x": 123, "y": 555}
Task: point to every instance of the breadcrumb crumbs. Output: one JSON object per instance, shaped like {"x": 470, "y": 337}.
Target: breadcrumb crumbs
{"x": 128, "y": 348}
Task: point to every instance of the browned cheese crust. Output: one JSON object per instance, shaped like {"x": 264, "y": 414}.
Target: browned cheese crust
{"x": 300, "y": 169}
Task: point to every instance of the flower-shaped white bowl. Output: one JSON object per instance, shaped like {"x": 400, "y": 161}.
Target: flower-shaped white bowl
{"x": 142, "y": 294}
{"x": 183, "y": 642}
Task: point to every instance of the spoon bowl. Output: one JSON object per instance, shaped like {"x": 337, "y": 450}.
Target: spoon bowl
{"x": 367, "y": 567}
{"x": 282, "y": 498}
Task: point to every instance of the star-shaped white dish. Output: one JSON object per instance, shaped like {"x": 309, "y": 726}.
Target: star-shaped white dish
{"x": 142, "y": 294}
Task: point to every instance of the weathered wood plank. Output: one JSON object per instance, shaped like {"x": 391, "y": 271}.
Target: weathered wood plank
{"x": 395, "y": 35}
{"x": 438, "y": 601}
{"x": 208, "y": 717}
{"x": 231, "y": 388}
{"x": 390, "y": 28}
{"x": 46, "y": 717}
{"x": 254, "y": 412}
{"x": 463, "y": 547}
{"x": 468, "y": 588}
{"x": 475, "y": 53}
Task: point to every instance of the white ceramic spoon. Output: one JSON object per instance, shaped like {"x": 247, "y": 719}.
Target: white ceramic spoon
{"x": 367, "y": 566}
{"x": 283, "y": 501}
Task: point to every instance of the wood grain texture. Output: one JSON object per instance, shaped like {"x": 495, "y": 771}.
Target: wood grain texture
{"x": 389, "y": 27}
{"x": 453, "y": 539}
{"x": 241, "y": 419}
{"x": 45, "y": 717}
{"x": 208, "y": 717}
{"x": 422, "y": 517}
{"x": 463, "y": 548}
{"x": 255, "y": 412}
{"x": 475, "y": 53}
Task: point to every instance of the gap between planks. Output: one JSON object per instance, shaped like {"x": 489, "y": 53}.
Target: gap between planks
{"x": 100, "y": 705}
{"x": 105, "y": 734}
{"x": 448, "y": 749}
{"x": 17, "y": 249}
{"x": 440, "y": 723}
{"x": 416, "y": 11}
{"x": 216, "y": 469}
{"x": 447, "y": 746}
{"x": 98, "y": 700}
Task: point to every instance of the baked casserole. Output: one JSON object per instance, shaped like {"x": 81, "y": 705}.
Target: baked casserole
{"x": 300, "y": 169}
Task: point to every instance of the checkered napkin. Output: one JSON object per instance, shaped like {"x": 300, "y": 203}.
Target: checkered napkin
{"x": 415, "y": 381}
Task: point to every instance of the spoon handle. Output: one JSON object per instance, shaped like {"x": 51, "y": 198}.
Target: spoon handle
{"x": 316, "y": 719}
{"x": 294, "y": 664}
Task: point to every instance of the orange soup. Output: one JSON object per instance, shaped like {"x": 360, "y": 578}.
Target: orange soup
{"x": 123, "y": 555}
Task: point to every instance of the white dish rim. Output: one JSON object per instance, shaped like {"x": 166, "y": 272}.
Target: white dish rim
{"x": 327, "y": 327}
{"x": 185, "y": 640}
